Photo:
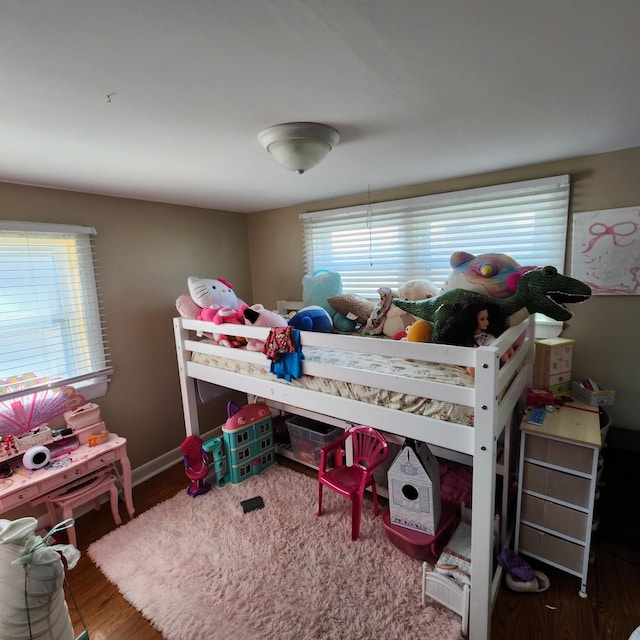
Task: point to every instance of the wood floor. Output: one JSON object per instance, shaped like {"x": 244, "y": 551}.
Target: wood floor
{"x": 611, "y": 611}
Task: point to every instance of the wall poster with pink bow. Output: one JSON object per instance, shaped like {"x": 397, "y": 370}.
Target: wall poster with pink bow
{"x": 606, "y": 250}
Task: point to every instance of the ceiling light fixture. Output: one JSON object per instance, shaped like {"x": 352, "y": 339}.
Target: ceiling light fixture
{"x": 299, "y": 146}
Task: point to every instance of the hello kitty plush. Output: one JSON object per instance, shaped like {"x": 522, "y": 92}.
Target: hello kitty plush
{"x": 213, "y": 301}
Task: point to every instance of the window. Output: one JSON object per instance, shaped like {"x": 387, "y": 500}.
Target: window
{"x": 388, "y": 243}
{"x": 50, "y": 321}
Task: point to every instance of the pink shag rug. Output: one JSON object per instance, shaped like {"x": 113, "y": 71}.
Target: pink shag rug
{"x": 200, "y": 568}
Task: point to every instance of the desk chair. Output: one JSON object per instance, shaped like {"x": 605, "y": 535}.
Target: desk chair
{"x": 79, "y": 492}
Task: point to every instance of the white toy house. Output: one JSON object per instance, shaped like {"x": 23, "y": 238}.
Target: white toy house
{"x": 414, "y": 489}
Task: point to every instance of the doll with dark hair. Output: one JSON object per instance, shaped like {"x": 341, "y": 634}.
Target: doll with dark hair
{"x": 470, "y": 321}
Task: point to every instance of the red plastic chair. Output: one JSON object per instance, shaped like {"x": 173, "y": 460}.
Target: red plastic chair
{"x": 370, "y": 449}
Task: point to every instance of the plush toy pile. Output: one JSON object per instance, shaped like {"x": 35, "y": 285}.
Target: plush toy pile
{"x": 541, "y": 290}
{"x": 417, "y": 311}
{"x": 383, "y": 317}
{"x": 214, "y": 300}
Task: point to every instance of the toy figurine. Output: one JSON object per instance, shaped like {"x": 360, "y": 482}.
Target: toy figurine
{"x": 470, "y": 321}
{"x": 196, "y": 465}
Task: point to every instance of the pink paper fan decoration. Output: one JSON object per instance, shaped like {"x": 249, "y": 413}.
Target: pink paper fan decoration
{"x": 22, "y": 414}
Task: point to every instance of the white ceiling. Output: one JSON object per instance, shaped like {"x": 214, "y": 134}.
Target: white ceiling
{"x": 162, "y": 100}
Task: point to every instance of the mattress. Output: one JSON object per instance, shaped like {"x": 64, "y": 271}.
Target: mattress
{"x": 419, "y": 370}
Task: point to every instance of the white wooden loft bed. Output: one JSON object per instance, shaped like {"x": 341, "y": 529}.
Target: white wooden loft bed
{"x": 485, "y": 407}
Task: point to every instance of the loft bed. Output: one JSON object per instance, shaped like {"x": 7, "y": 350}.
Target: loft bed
{"x": 461, "y": 418}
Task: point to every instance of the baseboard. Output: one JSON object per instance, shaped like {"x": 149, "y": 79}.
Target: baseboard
{"x": 158, "y": 465}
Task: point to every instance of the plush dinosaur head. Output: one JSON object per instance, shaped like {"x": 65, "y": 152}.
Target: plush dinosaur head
{"x": 547, "y": 291}
{"x": 541, "y": 290}
{"x": 493, "y": 274}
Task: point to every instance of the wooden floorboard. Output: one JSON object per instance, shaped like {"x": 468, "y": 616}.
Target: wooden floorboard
{"x": 611, "y": 611}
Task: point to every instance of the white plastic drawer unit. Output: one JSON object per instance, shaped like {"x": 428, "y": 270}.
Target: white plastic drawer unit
{"x": 556, "y": 487}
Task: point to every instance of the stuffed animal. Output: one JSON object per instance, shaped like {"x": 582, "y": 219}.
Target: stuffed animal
{"x": 318, "y": 288}
{"x": 391, "y": 321}
{"x": 541, "y": 290}
{"x": 213, "y": 301}
{"x": 375, "y": 323}
{"x": 397, "y": 320}
{"x": 257, "y": 316}
{"x": 493, "y": 274}
{"x": 313, "y": 318}
{"x": 352, "y": 306}
{"x": 420, "y": 331}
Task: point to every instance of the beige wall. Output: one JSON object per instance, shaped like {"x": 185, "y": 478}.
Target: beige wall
{"x": 605, "y": 327}
{"x": 145, "y": 253}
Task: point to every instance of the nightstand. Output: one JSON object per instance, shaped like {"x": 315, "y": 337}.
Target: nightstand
{"x": 556, "y": 488}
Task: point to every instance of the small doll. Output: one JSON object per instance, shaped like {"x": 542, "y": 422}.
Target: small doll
{"x": 471, "y": 321}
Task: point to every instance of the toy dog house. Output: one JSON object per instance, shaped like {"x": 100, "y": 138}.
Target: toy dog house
{"x": 414, "y": 489}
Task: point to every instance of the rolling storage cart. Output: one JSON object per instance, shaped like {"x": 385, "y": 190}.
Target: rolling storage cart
{"x": 556, "y": 488}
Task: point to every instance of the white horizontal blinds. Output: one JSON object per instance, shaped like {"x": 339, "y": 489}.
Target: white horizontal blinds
{"x": 388, "y": 243}
{"x": 50, "y": 314}
{"x": 360, "y": 247}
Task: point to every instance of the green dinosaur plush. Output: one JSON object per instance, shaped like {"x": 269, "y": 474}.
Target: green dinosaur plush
{"x": 541, "y": 290}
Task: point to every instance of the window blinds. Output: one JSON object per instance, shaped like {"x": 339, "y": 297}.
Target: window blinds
{"x": 51, "y": 331}
{"x": 389, "y": 243}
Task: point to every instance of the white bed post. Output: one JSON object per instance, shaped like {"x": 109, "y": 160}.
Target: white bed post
{"x": 483, "y": 496}
{"x": 187, "y": 385}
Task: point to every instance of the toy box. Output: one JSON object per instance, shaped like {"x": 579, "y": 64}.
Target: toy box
{"x": 421, "y": 546}
{"x": 41, "y": 435}
{"x": 552, "y": 366}
{"x": 414, "y": 489}
{"x": 83, "y": 416}
{"x": 309, "y": 436}
{"x": 539, "y": 397}
{"x": 595, "y": 397}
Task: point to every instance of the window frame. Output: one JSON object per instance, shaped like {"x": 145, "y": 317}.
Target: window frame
{"x": 59, "y": 259}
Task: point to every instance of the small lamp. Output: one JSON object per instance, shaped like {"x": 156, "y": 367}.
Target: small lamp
{"x": 299, "y": 146}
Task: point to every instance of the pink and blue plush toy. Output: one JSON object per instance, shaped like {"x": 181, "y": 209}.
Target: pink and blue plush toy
{"x": 493, "y": 274}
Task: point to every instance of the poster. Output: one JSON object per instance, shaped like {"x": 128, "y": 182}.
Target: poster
{"x": 606, "y": 250}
